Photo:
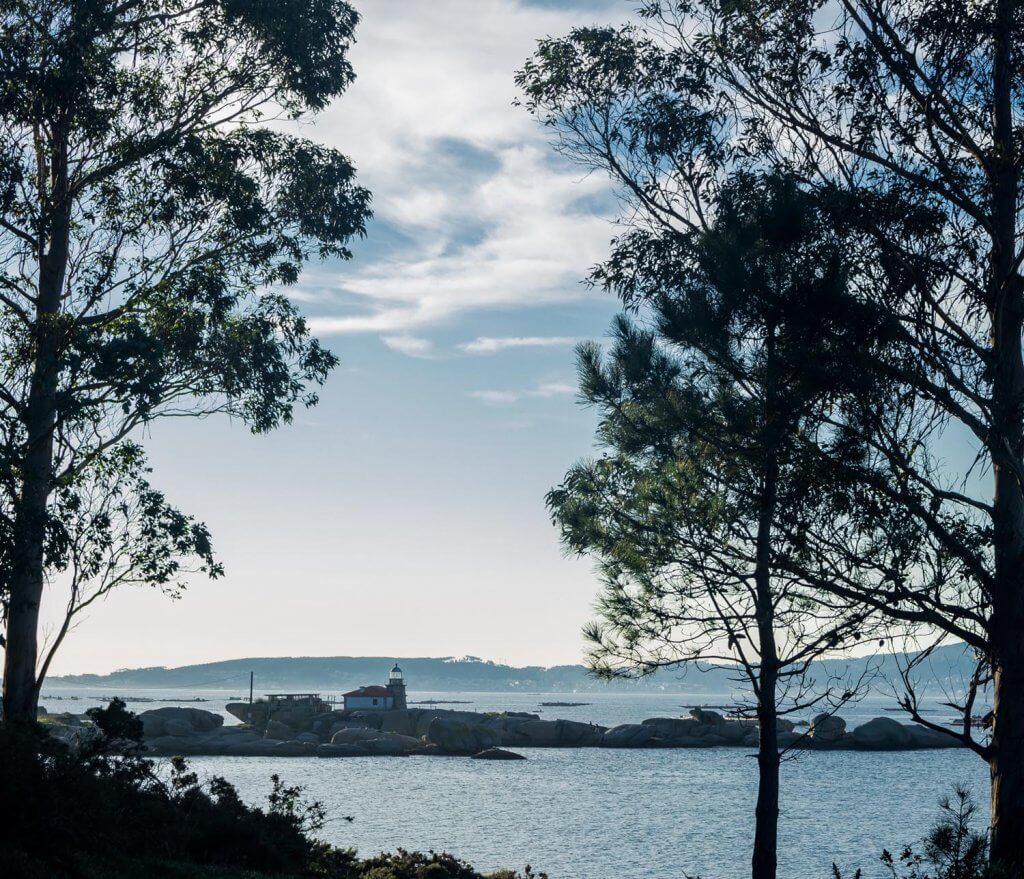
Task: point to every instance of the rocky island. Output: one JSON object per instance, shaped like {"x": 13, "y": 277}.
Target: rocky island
{"x": 442, "y": 732}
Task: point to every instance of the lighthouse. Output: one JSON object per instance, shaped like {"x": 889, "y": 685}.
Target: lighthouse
{"x": 396, "y": 687}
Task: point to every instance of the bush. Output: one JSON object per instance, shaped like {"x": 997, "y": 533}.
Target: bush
{"x": 416, "y": 865}
{"x": 65, "y": 808}
{"x": 952, "y": 848}
{"x": 104, "y": 811}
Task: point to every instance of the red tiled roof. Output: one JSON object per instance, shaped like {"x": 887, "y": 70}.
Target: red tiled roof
{"x": 368, "y": 691}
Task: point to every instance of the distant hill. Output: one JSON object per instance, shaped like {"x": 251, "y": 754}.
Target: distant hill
{"x": 949, "y": 667}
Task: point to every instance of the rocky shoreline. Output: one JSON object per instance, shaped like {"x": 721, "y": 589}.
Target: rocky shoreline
{"x": 443, "y": 732}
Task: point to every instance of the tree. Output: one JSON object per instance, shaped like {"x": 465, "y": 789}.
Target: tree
{"x": 909, "y": 115}
{"x": 111, "y": 529}
{"x": 695, "y": 510}
{"x": 147, "y": 206}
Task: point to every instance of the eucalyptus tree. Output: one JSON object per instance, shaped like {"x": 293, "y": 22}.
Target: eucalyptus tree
{"x": 712, "y": 422}
{"x": 909, "y": 114}
{"x": 111, "y": 529}
{"x": 150, "y": 212}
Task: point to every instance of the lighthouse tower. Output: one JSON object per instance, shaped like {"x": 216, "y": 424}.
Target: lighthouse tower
{"x": 396, "y": 687}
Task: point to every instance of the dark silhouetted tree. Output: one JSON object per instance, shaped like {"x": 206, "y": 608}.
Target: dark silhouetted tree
{"x": 150, "y": 214}
{"x": 713, "y": 425}
{"x": 908, "y": 114}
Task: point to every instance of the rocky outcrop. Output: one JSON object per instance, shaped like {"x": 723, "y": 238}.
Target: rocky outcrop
{"x": 881, "y": 734}
{"x": 432, "y": 731}
{"x": 498, "y": 754}
{"x": 183, "y": 721}
{"x": 456, "y": 736}
{"x": 827, "y": 729}
{"x": 629, "y": 735}
{"x": 354, "y": 735}
{"x": 555, "y": 734}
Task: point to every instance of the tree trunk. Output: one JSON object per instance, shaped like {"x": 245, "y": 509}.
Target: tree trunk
{"x": 1006, "y": 769}
{"x": 764, "y": 861}
{"x": 26, "y": 575}
{"x": 21, "y": 691}
{"x": 1006, "y": 309}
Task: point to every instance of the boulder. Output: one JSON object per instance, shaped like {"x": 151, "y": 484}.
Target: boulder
{"x": 391, "y": 745}
{"x": 154, "y": 720}
{"x": 629, "y": 735}
{"x": 788, "y": 739}
{"x": 277, "y": 730}
{"x": 461, "y": 737}
{"x": 309, "y": 737}
{"x": 233, "y": 736}
{"x": 735, "y": 731}
{"x": 73, "y": 735}
{"x": 707, "y": 716}
{"x": 827, "y": 728}
{"x": 339, "y": 725}
{"x": 372, "y": 719}
{"x": 183, "y": 746}
{"x": 239, "y": 710}
{"x": 538, "y": 733}
{"x": 354, "y": 735}
{"x": 881, "y": 734}
{"x": 498, "y": 754}
{"x": 401, "y": 721}
{"x": 922, "y": 737}
{"x": 178, "y": 728}
{"x": 152, "y": 725}
{"x": 574, "y": 734}
{"x": 555, "y": 734}
{"x": 675, "y": 727}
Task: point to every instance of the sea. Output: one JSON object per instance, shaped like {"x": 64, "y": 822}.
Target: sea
{"x": 606, "y": 814}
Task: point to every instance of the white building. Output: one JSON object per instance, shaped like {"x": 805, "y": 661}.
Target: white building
{"x": 376, "y": 698}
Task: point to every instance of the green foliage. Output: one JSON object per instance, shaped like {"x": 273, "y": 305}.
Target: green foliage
{"x": 104, "y": 811}
{"x": 151, "y": 219}
{"x": 733, "y": 373}
{"x": 60, "y": 808}
{"x": 953, "y": 849}
{"x": 416, "y": 865}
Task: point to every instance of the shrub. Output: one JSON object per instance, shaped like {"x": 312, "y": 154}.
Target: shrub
{"x": 101, "y": 810}
{"x": 60, "y": 807}
{"x": 952, "y": 848}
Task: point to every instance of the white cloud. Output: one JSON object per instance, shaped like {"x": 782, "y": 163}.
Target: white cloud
{"x": 495, "y": 397}
{"x": 543, "y": 391}
{"x": 492, "y": 345}
{"x": 553, "y": 389}
{"x": 487, "y": 215}
{"x": 411, "y": 346}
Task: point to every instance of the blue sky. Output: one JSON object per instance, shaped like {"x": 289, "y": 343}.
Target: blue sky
{"x": 404, "y": 515}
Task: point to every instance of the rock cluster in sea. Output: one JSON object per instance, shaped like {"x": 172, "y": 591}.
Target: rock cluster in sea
{"x": 435, "y": 731}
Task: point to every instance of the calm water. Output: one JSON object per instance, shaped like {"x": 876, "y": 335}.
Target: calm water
{"x": 597, "y": 814}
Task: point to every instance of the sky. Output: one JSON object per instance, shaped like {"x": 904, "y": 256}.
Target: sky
{"x": 404, "y": 515}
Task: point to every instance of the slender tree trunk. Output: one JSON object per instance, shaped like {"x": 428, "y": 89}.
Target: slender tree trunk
{"x": 764, "y": 861}
{"x": 1006, "y": 306}
{"x": 26, "y": 575}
